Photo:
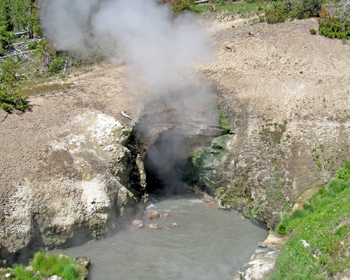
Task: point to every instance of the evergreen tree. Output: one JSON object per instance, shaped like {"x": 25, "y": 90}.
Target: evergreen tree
{"x": 25, "y": 15}
{"x": 5, "y": 15}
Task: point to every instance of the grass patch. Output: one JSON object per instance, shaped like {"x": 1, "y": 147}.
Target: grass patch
{"x": 243, "y": 8}
{"x": 319, "y": 239}
{"x": 48, "y": 265}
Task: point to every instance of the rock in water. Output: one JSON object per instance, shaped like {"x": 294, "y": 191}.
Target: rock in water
{"x": 155, "y": 226}
{"x": 137, "y": 224}
{"x": 153, "y": 215}
{"x": 83, "y": 261}
{"x": 164, "y": 215}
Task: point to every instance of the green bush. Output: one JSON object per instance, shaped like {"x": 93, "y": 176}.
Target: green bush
{"x": 6, "y": 38}
{"x": 279, "y": 11}
{"x": 275, "y": 13}
{"x": 344, "y": 173}
{"x": 33, "y": 45}
{"x": 313, "y": 31}
{"x": 334, "y": 21}
{"x": 185, "y": 5}
{"x": 9, "y": 72}
{"x": 282, "y": 228}
{"x": 304, "y": 8}
{"x": 10, "y": 101}
{"x": 56, "y": 65}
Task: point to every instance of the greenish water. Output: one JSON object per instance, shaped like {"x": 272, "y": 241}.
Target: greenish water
{"x": 207, "y": 244}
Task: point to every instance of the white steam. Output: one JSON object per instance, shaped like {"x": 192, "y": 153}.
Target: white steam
{"x": 158, "y": 47}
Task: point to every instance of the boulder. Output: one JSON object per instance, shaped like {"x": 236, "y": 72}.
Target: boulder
{"x": 164, "y": 215}
{"x": 155, "y": 226}
{"x": 153, "y": 215}
{"x": 137, "y": 224}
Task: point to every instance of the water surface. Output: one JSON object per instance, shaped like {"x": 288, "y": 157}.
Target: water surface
{"x": 207, "y": 244}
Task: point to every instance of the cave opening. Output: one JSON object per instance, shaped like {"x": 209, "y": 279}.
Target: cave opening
{"x": 167, "y": 164}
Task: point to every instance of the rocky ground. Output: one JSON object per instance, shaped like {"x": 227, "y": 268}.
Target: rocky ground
{"x": 287, "y": 93}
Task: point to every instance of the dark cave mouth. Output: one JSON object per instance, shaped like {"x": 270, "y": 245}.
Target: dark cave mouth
{"x": 168, "y": 164}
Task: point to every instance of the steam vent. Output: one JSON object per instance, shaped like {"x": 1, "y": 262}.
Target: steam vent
{"x": 169, "y": 131}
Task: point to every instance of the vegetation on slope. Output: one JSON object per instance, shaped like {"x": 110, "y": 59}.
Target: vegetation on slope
{"x": 334, "y": 16}
{"x": 319, "y": 238}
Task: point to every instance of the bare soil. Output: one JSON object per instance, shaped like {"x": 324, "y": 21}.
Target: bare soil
{"x": 278, "y": 71}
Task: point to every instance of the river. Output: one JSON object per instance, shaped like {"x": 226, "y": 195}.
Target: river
{"x": 207, "y": 244}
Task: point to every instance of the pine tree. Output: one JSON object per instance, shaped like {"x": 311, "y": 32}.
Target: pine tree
{"x": 5, "y": 15}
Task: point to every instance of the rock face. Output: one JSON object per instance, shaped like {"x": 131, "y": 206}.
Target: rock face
{"x": 87, "y": 180}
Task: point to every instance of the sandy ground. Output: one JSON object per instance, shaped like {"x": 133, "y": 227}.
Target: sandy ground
{"x": 276, "y": 70}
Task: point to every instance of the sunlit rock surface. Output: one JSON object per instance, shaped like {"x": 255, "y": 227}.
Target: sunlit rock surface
{"x": 88, "y": 179}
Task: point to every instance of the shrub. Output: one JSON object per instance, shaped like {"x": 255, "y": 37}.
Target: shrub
{"x": 282, "y": 228}
{"x": 6, "y": 107}
{"x": 276, "y": 13}
{"x": 344, "y": 173}
{"x": 32, "y": 45}
{"x": 10, "y": 101}
{"x": 334, "y": 21}
{"x": 56, "y": 65}
{"x": 294, "y": 9}
{"x": 6, "y": 38}
{"x": 304, "y": 8}
{"x": 184, "y": 5}
{"x": 313, "y": 31}
{"x": 9, "y": 75}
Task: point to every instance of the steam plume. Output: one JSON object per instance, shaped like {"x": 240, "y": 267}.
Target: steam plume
{"x": 160, "y": 51}
{"x": 157, "y": 46}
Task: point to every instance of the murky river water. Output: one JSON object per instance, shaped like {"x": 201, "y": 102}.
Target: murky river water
{"x": 207, "y": 244}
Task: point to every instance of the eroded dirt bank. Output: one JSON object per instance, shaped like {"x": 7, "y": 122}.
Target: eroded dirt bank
{"x": 287, "y": 94}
